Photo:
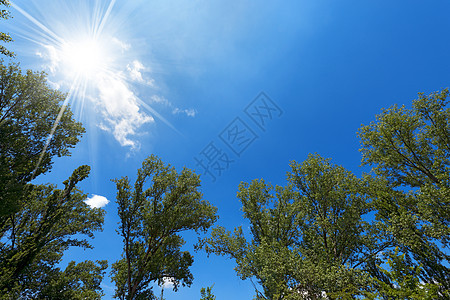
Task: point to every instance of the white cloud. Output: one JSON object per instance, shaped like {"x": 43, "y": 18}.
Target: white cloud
{"x": 135, "y": 69}
{"x": 167, "y": 283}
{"x": 52, "y": 55}
{"x": 96, "y": 201}
{"x": 121, "y": 110}
{"x": 123, "y": 46}
{"x": 160, "y": 100}
{"x": 54, "y": 85}
{"x": 190, "y": 112}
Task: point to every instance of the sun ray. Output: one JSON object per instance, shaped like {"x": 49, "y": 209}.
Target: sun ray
{"x": 158, "y": 115}
{"x": 52, "y": 131}
{"x": 105, "y": 17}
{"x": 56, "y": 38}
{"x": 81, "y": 58}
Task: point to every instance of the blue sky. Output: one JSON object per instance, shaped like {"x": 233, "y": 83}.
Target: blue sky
{"x": 175, "y": 75}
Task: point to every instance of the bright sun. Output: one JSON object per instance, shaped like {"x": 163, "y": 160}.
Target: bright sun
{"x": 84, "y": 57}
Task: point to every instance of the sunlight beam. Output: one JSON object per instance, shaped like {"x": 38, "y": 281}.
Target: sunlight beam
{"x": 56, "y": 38}
{"x": 83, "y": 55}
{"x": 159, "y": 116}
{"x": 52, "y": 131}
{"x": 99, "y": 29}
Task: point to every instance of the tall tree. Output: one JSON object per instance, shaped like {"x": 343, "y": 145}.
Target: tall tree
{"x": 162, "y": 204}
{"x": 33, "y": 240}
{"x": 5, "y": 37}
{"x": 307, "y": 238}
{"x": 410, "y": 152}
{"x": 29, "y": 109}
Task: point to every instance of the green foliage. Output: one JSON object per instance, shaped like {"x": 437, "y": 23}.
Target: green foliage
{"x": 162, "y": 204}
{"x": 411, "y": 147}
{"x": 39, "y": 222}
{"x": 404, "y": 281}
{"x": 4, "y": 37}
{"x": 78, "y": 281}
{"x": 207, "y": 294}
{"x": 309, "y": 238}
{"x": 306, "y": 238}
{"x": 33, "y": 240}
{"x": 29, "y": 109}
{"x": 410, "y": 152}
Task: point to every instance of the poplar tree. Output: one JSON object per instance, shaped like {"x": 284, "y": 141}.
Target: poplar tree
{"x": 153, "y": 213}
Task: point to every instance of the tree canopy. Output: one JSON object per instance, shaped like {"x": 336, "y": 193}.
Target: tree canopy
{"x": 410, "y": 153}
{"x": 33, "y": 240}
{"x": 29, "y": 108}
{"x": 162, "y": 204}
{"x": 306, "y": 237}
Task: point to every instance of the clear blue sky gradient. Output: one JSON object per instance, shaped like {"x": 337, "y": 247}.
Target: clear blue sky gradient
{"x": 329, "y": 65}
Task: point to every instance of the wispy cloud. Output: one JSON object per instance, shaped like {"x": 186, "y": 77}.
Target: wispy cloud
{"x": 135, "y": 69}
{"x": 51, "y": 55}
{"x": 159, "y": 100}
{"x": 96, "y": 201}
{"x": 190, "y": 112}
{"x": 122, "y": 45}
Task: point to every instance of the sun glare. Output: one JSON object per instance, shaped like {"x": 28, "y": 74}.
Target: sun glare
{"x": 84, "y": 57}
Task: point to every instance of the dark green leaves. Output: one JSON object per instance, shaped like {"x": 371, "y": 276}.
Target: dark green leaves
{"x": 33, "y": 240}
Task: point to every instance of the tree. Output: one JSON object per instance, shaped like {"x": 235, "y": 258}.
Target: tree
{"x": 33, "y": 240}
{"x": 4, "y": 37}
{"x": 410, "y": 152}
{"x": 162, "y": 204}
{"x": 307, "y": 238}
{"x": 311, "y": 239}
{"x": 29, "y": 110}
{"x": 207, "y": 294}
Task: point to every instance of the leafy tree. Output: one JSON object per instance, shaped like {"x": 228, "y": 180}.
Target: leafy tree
{"x": 307, "y": 238}
{"x": 29, "y": 109}
{"x": 4, "y": 37}
{"x": 207, "y": 294}
{"x": 33, "y": 240}
{"x": 410, "y": 152}
{"x": 162, "y": 204}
